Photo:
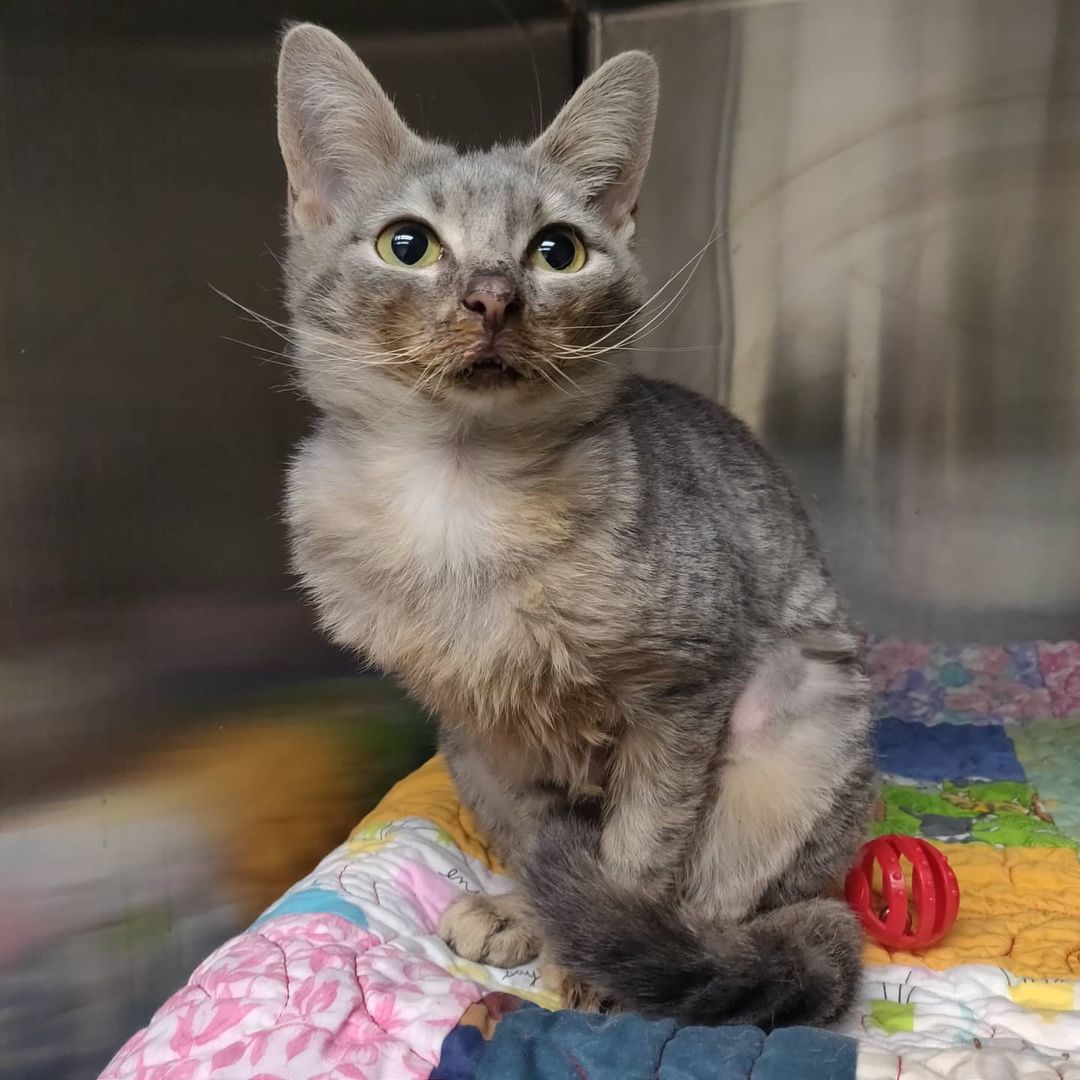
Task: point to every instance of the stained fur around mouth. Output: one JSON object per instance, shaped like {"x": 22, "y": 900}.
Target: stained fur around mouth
{"x": 488, "y": 367}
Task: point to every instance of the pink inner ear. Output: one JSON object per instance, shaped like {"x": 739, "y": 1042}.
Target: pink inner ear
{"x": 308, "y": 210}
{"x": 617, "y": 202}
{"x": 751, "y": 710}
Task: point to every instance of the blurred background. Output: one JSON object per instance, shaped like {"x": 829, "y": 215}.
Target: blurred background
{"x": 891, "y": 303}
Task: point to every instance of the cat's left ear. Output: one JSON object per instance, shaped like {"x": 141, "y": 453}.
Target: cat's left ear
{"x": 603, "y": 134}
{"x": 335, "y": 123}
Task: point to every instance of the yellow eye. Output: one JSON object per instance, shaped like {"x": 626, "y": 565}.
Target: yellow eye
{"x": 408, "y": 244}
{"x": 558, "y": 248}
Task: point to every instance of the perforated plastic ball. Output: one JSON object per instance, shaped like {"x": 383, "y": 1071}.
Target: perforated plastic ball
{"x": 909, "y": 907}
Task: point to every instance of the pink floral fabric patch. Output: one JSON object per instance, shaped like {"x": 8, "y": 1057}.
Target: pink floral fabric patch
{"x": 959, "y": 684}
{"x": 1059, "y": 663}
{"x": 304, "y": 997}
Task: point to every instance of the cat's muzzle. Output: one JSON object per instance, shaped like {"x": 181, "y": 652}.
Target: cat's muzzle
{"x": 487, "y": 369}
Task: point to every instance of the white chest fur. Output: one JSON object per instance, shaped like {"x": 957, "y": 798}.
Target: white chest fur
{"x": 431, "y": 557}
{"x": 439, "y": 510}
{"x": 481, "y": 579}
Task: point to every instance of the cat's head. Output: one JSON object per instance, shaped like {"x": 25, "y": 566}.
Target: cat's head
{"x": 483, "y": 283}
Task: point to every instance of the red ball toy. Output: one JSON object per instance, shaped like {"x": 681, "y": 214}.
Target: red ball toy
{"x": 904, "y": 914}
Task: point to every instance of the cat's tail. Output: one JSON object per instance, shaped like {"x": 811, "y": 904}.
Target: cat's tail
{"x": 797, "y": 964}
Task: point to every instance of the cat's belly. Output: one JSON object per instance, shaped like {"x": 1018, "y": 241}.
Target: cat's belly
{"x": 447, "y": 640}
{"x": 523, "y": 671}
{"x": 506, "y": 665}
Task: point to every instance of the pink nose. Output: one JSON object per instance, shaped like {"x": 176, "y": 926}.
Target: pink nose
{"x": 493, "y": 297}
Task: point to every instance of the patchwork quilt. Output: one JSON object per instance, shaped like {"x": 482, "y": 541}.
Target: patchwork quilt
{"x": 344, "y": 978}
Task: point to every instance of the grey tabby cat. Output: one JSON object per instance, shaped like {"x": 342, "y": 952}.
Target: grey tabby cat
{"x": 647, "y": 689}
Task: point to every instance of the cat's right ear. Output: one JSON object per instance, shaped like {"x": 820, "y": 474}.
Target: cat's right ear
{"x": 335, "y": 123}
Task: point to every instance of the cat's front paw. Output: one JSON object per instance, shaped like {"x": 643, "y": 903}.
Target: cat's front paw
{"x": 493, "y": 930}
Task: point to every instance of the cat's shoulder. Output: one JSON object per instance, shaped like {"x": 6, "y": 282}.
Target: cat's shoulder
{"x": 666, "y": 408}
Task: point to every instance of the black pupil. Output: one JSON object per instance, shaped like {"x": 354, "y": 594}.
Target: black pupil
{"x": 409, "y": 244}
{"x": 557, "y": 249}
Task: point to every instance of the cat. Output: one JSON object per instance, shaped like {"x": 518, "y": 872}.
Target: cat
{"x": 647, "y": 688}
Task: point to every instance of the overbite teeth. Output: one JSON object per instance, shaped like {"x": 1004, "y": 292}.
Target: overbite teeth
{"x": 493, "y": 366}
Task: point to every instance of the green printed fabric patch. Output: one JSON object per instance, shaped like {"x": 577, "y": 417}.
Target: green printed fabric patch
{"x": 1005, "y": 812}
{"x": 892, "y": 1017}
{"x": 1049, "y": 751}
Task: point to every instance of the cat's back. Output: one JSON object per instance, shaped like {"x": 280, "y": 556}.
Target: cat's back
{"x": 696, "y": 458}
{"x": 717, "y": 519}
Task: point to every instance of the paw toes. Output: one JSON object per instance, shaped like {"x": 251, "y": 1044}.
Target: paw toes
{"x": 482, "y": 929}
{"x": 575, "y": 993}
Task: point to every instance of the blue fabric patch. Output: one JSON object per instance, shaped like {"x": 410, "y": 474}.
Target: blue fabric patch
{"x": 537, "y": 1045}
{"x": 314, "y": 901}
{"x": 700, "y": 1053}
{"x": 461, "y": 1053}
{"x": 533, "y": 1044}
{"x": 808, "y": 1053}
{"x": 945, "y": 751}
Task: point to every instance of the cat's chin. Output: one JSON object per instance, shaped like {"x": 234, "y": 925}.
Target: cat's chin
{"x": 484, "y": 393}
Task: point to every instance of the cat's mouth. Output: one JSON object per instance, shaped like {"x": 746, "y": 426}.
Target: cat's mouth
{"x": 488, "y": 369}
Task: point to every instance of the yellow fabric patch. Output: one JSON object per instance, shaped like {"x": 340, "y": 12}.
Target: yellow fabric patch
{"x": 1019, "y": 907}
{"x": 1055, "y": 997}
{"x": 466, "y": 969}
{"x": 428, "y": 793}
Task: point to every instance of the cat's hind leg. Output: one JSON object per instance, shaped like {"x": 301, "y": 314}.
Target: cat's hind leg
{"x": 795, "y": 784}
{"x": 575, "y": 993}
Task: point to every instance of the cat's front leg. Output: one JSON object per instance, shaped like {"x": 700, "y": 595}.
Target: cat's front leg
{"x": 656, "y": 781}
{"x": 501, "y": 931}
{"x": 498, "y": 930}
